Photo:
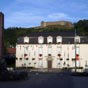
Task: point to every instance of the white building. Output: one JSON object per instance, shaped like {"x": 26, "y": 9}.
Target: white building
{"x": 52, "y": 50}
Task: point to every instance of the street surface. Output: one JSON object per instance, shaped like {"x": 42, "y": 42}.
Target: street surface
{"x": 47, "y": 80}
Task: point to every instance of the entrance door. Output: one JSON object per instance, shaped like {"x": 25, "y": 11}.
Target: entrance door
{"x": 49, "y": 64}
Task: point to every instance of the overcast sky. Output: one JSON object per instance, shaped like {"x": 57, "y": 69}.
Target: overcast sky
{"x": 29, "y": 13}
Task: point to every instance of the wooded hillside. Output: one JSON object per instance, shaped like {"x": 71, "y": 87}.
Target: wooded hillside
{"x": 11, "y": 34}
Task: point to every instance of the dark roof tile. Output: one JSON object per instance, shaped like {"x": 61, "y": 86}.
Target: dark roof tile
{"x": 67, "y": 37}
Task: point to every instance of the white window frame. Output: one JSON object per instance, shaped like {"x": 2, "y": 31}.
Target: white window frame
{"x": 49, "y": 39}
{"x": 59, "y": 39}
{"x": 26, "y": 39}
{"x": 40, "y": 39}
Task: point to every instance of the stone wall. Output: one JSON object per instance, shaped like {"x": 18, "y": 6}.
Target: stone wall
{"x": 61, "y": 23}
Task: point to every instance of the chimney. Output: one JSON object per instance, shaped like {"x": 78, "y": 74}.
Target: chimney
{"x": 1, "y": 33}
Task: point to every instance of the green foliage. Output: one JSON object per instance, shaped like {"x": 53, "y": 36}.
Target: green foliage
{"x": 82, "y": 27}
{"x": 11, "y": 34}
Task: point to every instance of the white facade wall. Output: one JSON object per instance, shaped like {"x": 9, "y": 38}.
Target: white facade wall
{"x": 62, "y": 55}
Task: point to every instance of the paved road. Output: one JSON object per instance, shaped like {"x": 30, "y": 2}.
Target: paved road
{"x": 48, "y": 80}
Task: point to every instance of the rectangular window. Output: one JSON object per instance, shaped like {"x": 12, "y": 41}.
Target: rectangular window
{"x": 77, "y": 50}
{"x": 49, "y": 50}
{"x": 40, "y": 50}
{"x": 59, "y": 50}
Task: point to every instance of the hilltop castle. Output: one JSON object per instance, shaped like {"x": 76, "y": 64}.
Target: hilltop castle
{"x": 59, "y": 23}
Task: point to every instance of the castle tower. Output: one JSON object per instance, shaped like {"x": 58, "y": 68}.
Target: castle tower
{"x": 43, "y": 24}
{"x": 1, "y": 33}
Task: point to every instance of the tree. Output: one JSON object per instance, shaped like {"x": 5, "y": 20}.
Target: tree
{"x": 82, "y": 26}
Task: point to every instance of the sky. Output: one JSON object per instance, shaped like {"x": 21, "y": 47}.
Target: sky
{"x": 30, "y": 13}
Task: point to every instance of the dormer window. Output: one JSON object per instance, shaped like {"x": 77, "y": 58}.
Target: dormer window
{"x": 26, "y": 39}
{"x": 59, "y": 39}
{"x": 40, "y": 39}
{"x": 77, "y": 39}
{"x": 49, "y": 39}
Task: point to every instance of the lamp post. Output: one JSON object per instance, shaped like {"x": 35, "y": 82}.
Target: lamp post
{"x": 75, "y": 50}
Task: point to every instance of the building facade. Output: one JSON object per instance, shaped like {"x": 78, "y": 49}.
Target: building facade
{"x": 52, "y": 50}
{"x": 1, "y": 33}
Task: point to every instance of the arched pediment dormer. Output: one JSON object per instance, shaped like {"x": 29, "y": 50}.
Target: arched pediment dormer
{"x": 49, "y": 39}
{"x": 26, "y": 39}
{"x": 77, "y": 39}
{"x": 40, "y": 39}
{"x": 59, "y": 39}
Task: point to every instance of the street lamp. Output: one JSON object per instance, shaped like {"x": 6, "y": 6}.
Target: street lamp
{"x": 75, "y": 50}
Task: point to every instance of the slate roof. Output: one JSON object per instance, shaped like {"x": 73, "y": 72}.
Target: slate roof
{"x": 54, "y": 34}
{"x": 67, "y": 37}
